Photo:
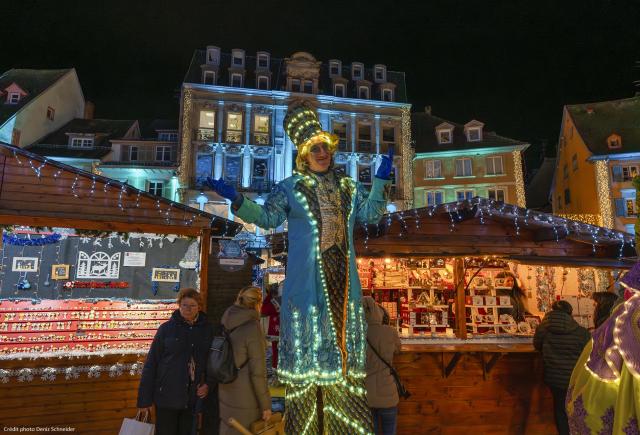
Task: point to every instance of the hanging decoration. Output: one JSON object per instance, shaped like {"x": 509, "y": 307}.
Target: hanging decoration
{"x": 545, "y": 284}
{"x": 96, "y": 284}
{"x": 586, "y": 282}
{"x": 13, "y": 239}
{"x": 165, "y": 274}
{"x": 232, "y": 255}
{"x": 50, "y": 374}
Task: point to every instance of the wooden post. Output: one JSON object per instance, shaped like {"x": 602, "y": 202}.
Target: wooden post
{"x": 205, "y": 245}
{"x": 458, "y": 279}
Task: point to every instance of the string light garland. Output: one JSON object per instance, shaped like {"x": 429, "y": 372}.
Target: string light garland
{"x": 603, "y": 189}
{"x": 407, "y": 159}
{"x": 521, "y": 200}
{"x": 12, "y": 239}
{"x": 186, "y": 154}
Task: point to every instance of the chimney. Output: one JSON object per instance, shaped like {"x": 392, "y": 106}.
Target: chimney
{"x": 89, "y": 109}
{"x": 427, "y": 110}
{"x": 590, "y": 110}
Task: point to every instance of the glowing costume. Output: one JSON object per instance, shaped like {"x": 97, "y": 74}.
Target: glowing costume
{"x": 322, "y": 329}
{"x": 604, "y": 392}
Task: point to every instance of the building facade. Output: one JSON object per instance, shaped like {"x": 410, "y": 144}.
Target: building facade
{"x": 598, "y": 156}
{"x": 142, "y": 154}
{"x": 233, "y": 105}
{"x": 34, "y": 103}
{"x": 454, "y": 162}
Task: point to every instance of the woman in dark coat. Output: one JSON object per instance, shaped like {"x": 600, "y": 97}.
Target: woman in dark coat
{"x": 173, "y": 377}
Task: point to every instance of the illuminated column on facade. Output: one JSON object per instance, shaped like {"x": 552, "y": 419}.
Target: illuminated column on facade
{"x": 246, "y": 158}
{"x": 186, "y": 153}
{"x": 603, "y": 189}
{"x": 220, "y": 120}
{"x": 376, "y": 125}
{"x": 407, "y": 159}
{"x": 279, "y": 146}
{"x": 288, "y": 157}
{"x": 353, "y": 159}
{"x": 521, "y": 200}
{"x": 218, "y": 161}
{"x": 353, "y": 166}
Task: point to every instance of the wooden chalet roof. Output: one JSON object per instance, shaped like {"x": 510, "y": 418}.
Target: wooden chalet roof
{"x": 486, "y": 227}
{"x": 37, "y": 191}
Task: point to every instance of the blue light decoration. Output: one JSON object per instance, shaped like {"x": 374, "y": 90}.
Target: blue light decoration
{"x": 12, "y": 239}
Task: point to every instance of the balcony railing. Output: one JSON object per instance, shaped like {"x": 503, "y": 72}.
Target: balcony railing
{"x": 233, "y": 136}
{"x": 257, "y": 185}
{"x": 206, "y": 134}
{"x": 384, "y": 147}
{"x": 261, "y": 139}
{"x": 134, "y": 163}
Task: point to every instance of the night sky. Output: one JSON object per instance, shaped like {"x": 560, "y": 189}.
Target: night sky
{"x": 512, "y": 64}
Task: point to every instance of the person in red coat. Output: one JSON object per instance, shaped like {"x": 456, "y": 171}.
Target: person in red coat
{"x": 271, "y": 308}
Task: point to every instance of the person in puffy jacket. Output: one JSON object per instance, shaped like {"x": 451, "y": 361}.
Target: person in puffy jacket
{"x": 173, "y": 377}
{"x": 561, "y": 341}
{"x": 247, "y": 398}
{"x": 382, "y": 393}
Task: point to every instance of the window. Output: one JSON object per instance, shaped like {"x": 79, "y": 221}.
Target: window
{"x": 463, "y": 168}
{"x": 444, "y": 136}
{"x": 626, "y": 206}
{"x": 338, "y": 90}
{"x": 334, "y": 68}
{"x": 574, "y": 162}
{"x": 163, "y": 153}
{"x": 565, "y": 171}
{"x": 133, "y": 153}
{"x": 356, "y": 72}
{"x": 434, "y": 197}
{"x": 364, "y": 137}
{"x": 232, "y": 169}
{"x": 236, "y": 80}
{"x": 263, "y": 61}
{"x": 462, "y": 195}
{"x": 238, "y": 59}
{"x": 263, "y": 82}
{"x": 567, "y": 196}
{"x": 51, "y": 113}
{"x": 234, "y": 128}
{"x": 494, "y": 165}
{"x": 363, "y": 92}
{"x": 207, "y": 119}
{"x": 80, "y": 142}
{"x": 614, "y": 141}
{"x": 340, "y": 130}
{"x": 295, "y": 85}
{"x": 168, "y": 137}
{"x": 308, "y": 87}
{"x": 13, "y": 98}
{"x": 259, "y": 175}
{"x": 496, "y": 194}
{"x": 387, "y": 95}
{"x": 209, "y": 78}
{"x": 156, "y": 188}
{"x": 433, "y": 169}
{"x": 624, "y": 173}
{"x": 380, "y": 73}
{"x": 630, "y": 205}
{"x": 474, "y": 134}
{"x": 388, "y": 134}
{"x": 364, "y": 174}
{"x": 261, "y": 129}
{"x": 213, "y": 55}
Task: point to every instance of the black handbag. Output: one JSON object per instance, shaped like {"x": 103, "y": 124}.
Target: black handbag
{"x": 402, "y": 391}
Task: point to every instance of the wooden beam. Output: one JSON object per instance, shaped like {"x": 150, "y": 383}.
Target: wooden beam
{"x": 205, "y": 245}
{"x": 458, "y": 279}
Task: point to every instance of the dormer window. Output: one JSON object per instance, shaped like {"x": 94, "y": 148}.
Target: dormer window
{"x": 444, "y": 133}
{"x": 213, "y": 55}
{"x": 209, "y": 77}
{"x": 335, "y": 68}
{"x": 339, "y": 90}
{"x": 363, "y": 92}
{"x": 380, "y": 73}
{"x": 13, "y": 98}
{"x": 473, "y": 131}
{"x": 168, "y": 136}
{"x": 236, "y": 80}
{"x": 81, "y": 142}
{"x": 295, "y": 85}
{"x": 387, "y": 95}
{"x": 263, "y": 82}
{"x": 263, "y": 60}
{"x": 614, "y": 141}
{"x": 237, "y": 58}
{"x": 357, "y": 71}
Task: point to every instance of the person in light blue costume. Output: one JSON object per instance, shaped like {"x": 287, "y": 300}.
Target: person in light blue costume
{"x": 322, "y": 326}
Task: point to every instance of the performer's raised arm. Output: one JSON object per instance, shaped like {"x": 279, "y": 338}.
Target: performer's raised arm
{"x": 370, "y": 206}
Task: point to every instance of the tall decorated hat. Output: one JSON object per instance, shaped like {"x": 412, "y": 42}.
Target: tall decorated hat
{"x": 303, "y": 128}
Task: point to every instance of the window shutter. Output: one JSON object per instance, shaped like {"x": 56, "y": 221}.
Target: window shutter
{"x": 620, "y": 207}
{"x": 617, "y": 173}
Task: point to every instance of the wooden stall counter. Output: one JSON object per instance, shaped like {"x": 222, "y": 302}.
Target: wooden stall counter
{"x": 462, "y": 387}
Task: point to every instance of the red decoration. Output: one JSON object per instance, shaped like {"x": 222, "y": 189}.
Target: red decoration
{"x": 96, "y": 284}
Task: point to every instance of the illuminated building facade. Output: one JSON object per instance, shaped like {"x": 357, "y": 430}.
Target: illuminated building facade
{"x": 454, "y": 162}
{"x": 598, "y": 156}
{"x": 233, "y": 105}
{"x": 141, "y": 154}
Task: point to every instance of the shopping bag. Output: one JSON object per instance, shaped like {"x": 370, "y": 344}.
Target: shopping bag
{"x": 275, "y": 426}
{"x": 137, "y": 426}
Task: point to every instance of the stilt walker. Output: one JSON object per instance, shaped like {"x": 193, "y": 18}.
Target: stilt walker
{"x": 322, "y": 329}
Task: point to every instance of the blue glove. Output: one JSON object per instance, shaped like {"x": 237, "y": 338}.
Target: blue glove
{"x": 222, "y": 188}
{"x": 384, "y": 170}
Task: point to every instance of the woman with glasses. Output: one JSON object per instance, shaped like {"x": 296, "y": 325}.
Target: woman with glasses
{"x": 173, "y": 377}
